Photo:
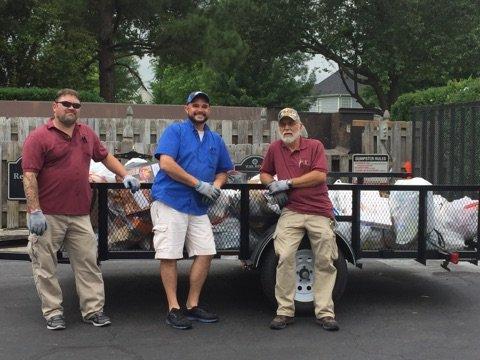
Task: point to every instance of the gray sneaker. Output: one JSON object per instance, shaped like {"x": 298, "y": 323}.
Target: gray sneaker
{"x": 56, "y": 322}
{"x": 98, "y": 319}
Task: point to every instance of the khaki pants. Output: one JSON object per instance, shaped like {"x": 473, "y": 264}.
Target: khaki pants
{"x": 289, "y": 233}
{"x": 76, "y": 233}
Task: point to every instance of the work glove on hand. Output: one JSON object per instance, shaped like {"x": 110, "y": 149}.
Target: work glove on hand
{"x": 276, "y": 187}
{"x": 209, "y": 192}
{"x": 131, "y": 183}
{"x": 37, "y": 223}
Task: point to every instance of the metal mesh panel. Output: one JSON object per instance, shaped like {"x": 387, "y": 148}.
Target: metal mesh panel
{"x": 455, "y": 222}
{"x": 130, "y": 225}
{"x": 225, "y": 220}
{"x": 390, "y": 220}
{"x": 129, "y": 221}
{"x": 264, "y": 212}
{"x": 446, "y": 143}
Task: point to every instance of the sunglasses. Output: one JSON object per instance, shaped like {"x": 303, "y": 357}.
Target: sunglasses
{"x": 68, "y": 104}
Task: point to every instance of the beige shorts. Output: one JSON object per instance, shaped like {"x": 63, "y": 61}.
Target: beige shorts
{"x": 173, "y": 230}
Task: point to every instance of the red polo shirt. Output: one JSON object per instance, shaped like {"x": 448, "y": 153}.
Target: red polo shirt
{"x": 288, "y": 164}
{"x": 62, "y": 164}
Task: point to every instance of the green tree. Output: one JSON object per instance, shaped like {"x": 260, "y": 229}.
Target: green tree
{"x": 392, "y": 46}
{"x": 92, "y": 43}
{"x": 36, "y": 49}
{"x": 233, "y": 68}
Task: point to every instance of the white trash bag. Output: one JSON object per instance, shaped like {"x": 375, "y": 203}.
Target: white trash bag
{"x": 404, "y": 211}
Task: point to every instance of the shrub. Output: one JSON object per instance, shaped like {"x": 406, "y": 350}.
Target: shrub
{"x": 42, "y": 94}
{"x": 454, "y": 92}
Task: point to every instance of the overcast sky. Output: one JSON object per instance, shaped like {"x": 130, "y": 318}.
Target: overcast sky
{"x": 317, "y": 64}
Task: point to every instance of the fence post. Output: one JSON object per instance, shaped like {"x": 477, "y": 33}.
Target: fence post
{"x": 127, "y": 142}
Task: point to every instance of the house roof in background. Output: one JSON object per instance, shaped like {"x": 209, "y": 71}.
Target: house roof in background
{"x": 333, "y": 85}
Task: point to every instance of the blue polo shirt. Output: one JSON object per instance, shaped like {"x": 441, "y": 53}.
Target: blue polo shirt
{"x": 201, "y": 159}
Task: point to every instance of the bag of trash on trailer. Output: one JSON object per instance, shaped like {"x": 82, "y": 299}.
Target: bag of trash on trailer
{"x": 375, "y": 223}
{"x": 457, "y": 221}
{"x": 404, "y": 211}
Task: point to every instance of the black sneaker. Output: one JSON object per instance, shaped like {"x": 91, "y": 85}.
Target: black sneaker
{"x": 177, "y": 320}
{"x": 98, "y": 319}
{"x": 56, "y": 322}
{"x": 199, "y": 314}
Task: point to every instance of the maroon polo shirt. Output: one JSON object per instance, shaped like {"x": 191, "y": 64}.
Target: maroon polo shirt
{"x": 288, "y": 164}
{"x": 62, "y": 164}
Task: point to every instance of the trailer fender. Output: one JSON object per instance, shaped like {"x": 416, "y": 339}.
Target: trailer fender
{"x": 268, "y": 239}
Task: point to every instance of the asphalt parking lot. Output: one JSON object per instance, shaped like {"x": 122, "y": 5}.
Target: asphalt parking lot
{"x": 394, "y": 309}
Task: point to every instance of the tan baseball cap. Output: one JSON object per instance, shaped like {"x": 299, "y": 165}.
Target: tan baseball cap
{"x": 290, "y": 113}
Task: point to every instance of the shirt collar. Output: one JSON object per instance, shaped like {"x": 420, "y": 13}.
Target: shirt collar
{"x": 190, "y": 124}
{"x": 51, "y": 125}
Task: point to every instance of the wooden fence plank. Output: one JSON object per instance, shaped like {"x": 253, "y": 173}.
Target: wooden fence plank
{"x": 23, "y": 129}
{"x": 396, "y": 147}
{"x": 242, "y": 134}
{"x": 273, "y": 131}
{"x": 227, "y": 131}
{"x": 242, "y": 151}
{"x": 110, "y": 129}
{"x": 145, "y": 132}
{"x": 5, "y": 129}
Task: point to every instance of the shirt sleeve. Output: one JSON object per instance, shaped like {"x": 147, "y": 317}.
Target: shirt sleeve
{"x": 169, "y": 142}
{"x": 99, "y": 151}
{"x": 268, "y": 165}
{"x": 319, "y": 161}
{"x": 32, "y": 154}
{"x": 224, "y": 162}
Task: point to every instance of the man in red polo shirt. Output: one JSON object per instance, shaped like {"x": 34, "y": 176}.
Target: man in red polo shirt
{"x": 301, "y": 168}
{"x": 55, "y": 161}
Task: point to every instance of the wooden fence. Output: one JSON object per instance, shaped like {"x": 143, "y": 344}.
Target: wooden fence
{"x": 398, "y": 144}
{"x": 119, "y": 135}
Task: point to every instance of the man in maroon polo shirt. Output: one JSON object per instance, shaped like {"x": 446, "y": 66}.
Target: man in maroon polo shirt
{"x": 301, "y": 168}
{"x": 55, "y": 161}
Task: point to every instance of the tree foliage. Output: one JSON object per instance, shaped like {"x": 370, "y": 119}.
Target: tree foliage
{"x": 233, "y": 68}
{"x": 88, "y": 44}
{"x": 392, "y": 46}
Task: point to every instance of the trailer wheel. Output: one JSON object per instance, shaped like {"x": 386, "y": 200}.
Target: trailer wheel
{"x": 304, "y": 288}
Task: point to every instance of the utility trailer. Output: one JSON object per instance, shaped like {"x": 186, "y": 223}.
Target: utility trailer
{"x": 244, "y": 223}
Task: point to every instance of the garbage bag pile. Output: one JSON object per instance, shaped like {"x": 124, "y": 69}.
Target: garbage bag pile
{"x": 130, "y": 225}
{"x": 390, "y": 221}
{"x": 129, "y": 222}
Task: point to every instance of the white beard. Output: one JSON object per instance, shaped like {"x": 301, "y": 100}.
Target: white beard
{"x": 290, "y": 139}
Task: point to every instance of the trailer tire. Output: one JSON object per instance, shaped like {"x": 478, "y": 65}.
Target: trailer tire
{"x": 304, "y": 300}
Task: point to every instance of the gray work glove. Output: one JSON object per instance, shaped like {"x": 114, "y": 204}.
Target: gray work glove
{"x": 37, "y": 223}
{"x": 281, "y": 198}
{"x": 276, "y": 187}
{"x": 210, "y": 192}
{"x": 131, "y": 183}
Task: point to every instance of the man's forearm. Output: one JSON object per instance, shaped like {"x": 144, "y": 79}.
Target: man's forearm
{"x": 115, "y": 166}
{"x": 176, "y": 172}
{"x": 312, "y": 178}
{"x": 265, "y": 178}
{"x": 30, "y": 186}
{"x": 220, "y": 180}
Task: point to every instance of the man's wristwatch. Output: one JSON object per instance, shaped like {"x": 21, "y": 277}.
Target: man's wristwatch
{"x": 289, "y": 183}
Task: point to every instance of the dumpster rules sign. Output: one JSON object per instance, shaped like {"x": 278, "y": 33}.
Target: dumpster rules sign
{"x": 15, "y": 180}
{"x": 371, "y": 163}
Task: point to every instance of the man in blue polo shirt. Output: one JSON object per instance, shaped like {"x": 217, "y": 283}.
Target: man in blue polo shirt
{"x": 193, "y": 167}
